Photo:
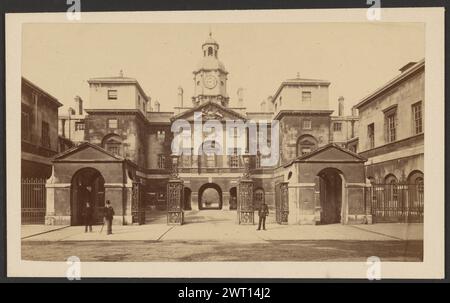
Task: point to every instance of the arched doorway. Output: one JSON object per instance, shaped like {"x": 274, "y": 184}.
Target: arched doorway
{"x": 233, "y": 198}
{"x": 210, "y": 197}
{"x": 331, "y": 196}
{"x": 187, "y": 198}
{"x": 88, "y": 185}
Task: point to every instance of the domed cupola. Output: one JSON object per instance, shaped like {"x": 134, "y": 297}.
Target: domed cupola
{"x": 210, "y": 76}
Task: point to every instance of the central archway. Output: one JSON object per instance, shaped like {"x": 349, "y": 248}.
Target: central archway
{"x": 88, "y": 185}
{"x": 210, "y": 197}
{"x": 331, "y": 196}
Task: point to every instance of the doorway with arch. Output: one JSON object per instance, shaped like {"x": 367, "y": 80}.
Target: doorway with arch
{"x": 210, "y": 197}
{"x": 88, "y": 185}
{"x": 331, "y": 196}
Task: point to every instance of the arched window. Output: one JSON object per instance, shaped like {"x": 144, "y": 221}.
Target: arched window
{"x": 306, "y": 144}
{"x": 415, "y": 186}
{"x": 392, "y": 187}
{"x": 113, "y": 144}
{"x": 210, "y": 51}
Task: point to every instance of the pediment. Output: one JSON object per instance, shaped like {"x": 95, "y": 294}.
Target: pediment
{"x": 331, "y": 153}
{"x": 86, "y": 152}
{"x": 210, "y": 111}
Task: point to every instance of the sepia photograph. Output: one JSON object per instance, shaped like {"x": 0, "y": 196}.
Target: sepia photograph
{"x": 184, "y": 142}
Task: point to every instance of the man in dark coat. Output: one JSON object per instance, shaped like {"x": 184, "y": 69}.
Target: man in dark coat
{"x": 88, "y": 214}
{"x": 263, "y": 212}
{"x": 109, "y": 215}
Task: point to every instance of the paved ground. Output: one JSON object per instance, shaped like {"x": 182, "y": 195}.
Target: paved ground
{"x": 213, "y": 235}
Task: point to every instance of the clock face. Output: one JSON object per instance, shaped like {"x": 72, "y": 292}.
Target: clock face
{"x": 210, "y": 81}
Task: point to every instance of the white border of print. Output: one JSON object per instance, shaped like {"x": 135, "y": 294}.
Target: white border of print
{"x": 431, "y": 267}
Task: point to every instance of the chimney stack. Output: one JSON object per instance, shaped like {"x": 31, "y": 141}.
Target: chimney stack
{"x": 354, "y": 112}
{"x": 240, "y": 95}
{"x": 180, "y": 96}
{"x": 157, "y": 106}
{"x": 341, "y": 106}
{"x": 79, "y": 102}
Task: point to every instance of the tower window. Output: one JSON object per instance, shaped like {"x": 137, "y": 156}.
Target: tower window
{"x": 112, "y": 94}
{"x": 112, "y": 123}
{"x": 306, "y": 124}
{"x": 337, "y": 126}
{"x": 306, "y": 96}
{"x": 215, "y": 53}
{"x": 210, "y": 51}
{"x": 79, "y": 125}
{"x": 161, "y": 135}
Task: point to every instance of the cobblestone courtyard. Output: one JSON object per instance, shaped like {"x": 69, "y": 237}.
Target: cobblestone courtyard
{"x": 214, "y": 236}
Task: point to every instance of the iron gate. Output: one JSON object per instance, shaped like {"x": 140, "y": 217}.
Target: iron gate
{"x": 33, "y": 202}
{"x": 281, "y": 203}
{"x": 137, "y": 209}
{"x": 397, "y": 202}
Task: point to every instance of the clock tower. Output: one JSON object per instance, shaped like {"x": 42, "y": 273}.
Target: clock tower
{"x": 210, "y": 76}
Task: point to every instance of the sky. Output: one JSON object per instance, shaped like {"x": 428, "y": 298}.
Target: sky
{"x": 356, "y": 58}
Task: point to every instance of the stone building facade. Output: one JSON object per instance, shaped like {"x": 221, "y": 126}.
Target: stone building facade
{"x": 126, "y": 156}
{"x": 391, "y": 137}
{"x": 391, "y": 127}
{"x": 39, "y": 130}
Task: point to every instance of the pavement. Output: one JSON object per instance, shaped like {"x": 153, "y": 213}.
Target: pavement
{"x": 212, "y": 225}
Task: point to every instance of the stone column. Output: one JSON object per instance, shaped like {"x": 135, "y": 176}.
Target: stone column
{"x": 194, "y": 200}
{"x": 368, "y": 202}
{"x": 226, "y": 200}
{"x": 127, "y": 217}
{"x": 317, "y": 204}
{"x": 50, "y": 205}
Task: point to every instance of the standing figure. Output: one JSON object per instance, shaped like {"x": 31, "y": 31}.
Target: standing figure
{"x": 263, "y": 212}
{"x": 88, "y": 214}
{"x": 109, "y": 215}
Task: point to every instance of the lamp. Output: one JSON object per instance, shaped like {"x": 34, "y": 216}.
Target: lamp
{"x": 175, "y": 158}
{"x": 246, "y": 160}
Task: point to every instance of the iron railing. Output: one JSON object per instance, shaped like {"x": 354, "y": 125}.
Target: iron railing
{"x": 33, "y": 202}
{"x": 397, "y": 202}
